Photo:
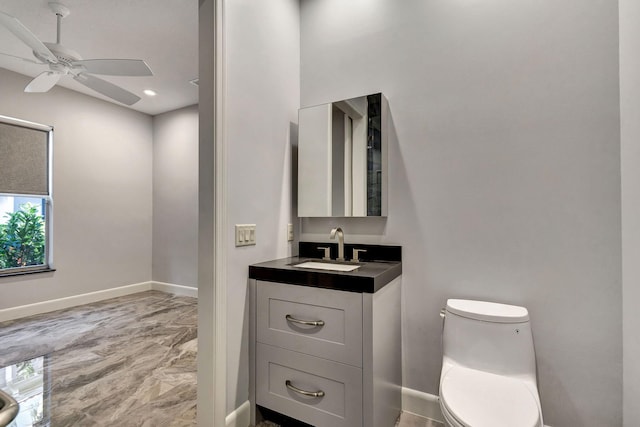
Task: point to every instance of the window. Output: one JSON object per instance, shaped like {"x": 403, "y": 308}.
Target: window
{"x": 25, "y": 196}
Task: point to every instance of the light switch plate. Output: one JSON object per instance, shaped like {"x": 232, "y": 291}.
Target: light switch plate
{"x": 289, "y": 232}
{"x": 245, "y": 234}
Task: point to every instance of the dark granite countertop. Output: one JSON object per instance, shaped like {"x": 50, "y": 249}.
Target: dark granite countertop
{"x": 369, "y": 278}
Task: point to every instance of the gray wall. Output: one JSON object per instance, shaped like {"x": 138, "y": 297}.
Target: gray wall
{"x": 630, "y": 154}
{"x": 101, "y": 188}
{"x": 504, "y": 173}
{"x": 262, "y": 98}
{"x": 175, "y": 197}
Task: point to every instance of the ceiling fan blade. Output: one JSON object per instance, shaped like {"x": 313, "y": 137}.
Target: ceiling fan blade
{"x": 22, "y": 59}
{"x": 107, "y": 89}
{"x": 115, "y": 67}
{"x": 27, "y": 37}
{"x": 43, "y": 82}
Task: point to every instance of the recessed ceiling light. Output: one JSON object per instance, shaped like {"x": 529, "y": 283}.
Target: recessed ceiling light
{"x": 150, "y": 92}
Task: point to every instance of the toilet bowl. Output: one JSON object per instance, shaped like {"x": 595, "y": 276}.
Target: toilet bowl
{"x": 488, "y": 376}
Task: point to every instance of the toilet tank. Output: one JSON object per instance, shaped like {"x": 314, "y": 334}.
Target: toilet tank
{"x": 490, "y": 337}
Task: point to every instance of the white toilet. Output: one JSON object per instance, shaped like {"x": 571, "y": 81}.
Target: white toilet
{"x": 488, "y": 374}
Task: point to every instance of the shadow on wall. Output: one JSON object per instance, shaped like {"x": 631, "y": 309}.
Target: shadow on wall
{"x": 414, "y": 264}
{"x": 293, "y": 143}
{"x": 243, "y": 375}
{"x": 561, "y": 397}
{"x": 293, "y": 138}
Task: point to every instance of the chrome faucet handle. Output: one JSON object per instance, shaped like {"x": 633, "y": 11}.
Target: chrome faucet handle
{"x": 327, "y": 252}
{"x": 356, "y": 254}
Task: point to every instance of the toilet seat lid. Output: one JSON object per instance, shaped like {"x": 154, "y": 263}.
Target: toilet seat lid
{"x": 483, "y": 399}
{"x": 488, "y": 311}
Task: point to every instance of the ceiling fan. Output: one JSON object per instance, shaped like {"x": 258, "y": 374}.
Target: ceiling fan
{"x": 64, "y": 61}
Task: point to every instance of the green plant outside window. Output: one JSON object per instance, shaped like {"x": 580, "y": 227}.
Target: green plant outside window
{"x": 22, "y": 238}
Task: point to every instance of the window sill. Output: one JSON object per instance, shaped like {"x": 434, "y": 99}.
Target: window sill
{"x": 24, "y": 273}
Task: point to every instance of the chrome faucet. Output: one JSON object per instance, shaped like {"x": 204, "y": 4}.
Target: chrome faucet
{"x": 334, "y": 232}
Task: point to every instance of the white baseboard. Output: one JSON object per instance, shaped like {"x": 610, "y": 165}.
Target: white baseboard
{"x": 420, "y": 403}
{"x": 241, "y": 417}
{"x": 416, "y": 402}
{"x": 170, "y": 288}
{"x": 72, "y": 301}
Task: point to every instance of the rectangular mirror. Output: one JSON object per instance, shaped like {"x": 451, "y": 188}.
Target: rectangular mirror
{"x": 342, "y": 158}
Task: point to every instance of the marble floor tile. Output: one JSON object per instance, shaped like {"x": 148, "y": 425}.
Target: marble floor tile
{"x": 127, "y": 361}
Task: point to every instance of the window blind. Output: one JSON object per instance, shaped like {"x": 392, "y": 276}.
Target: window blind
{"x": 24, "y": 163}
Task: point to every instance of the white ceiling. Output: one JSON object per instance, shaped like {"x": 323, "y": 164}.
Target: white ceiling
{"x": 164, "y": 33}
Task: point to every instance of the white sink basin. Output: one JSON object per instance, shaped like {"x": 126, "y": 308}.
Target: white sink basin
{"x": 327, "y": 266}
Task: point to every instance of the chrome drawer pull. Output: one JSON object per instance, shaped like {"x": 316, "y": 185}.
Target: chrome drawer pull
{"x": 304, "y": 392}
{"x": 304, "y": 322}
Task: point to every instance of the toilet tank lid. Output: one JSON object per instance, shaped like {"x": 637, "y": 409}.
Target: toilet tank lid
{"x": 488, "y": 311}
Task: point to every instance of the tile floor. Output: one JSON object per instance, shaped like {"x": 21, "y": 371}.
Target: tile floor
{"x": 128, "y": 361}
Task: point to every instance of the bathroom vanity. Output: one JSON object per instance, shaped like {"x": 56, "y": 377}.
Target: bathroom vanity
{"x": 325, "y": 346}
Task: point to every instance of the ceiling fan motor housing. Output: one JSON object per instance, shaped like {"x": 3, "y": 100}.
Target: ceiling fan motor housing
{"x": 59, "y": 9}
{"x": 64, "y": 55}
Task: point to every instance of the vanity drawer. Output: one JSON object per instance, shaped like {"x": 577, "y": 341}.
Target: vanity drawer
{"x": 282, "y": 310}
{"x": 341, "y": 385}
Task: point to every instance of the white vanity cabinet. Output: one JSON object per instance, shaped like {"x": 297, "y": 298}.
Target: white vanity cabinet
{"x": 326, "y": 357}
